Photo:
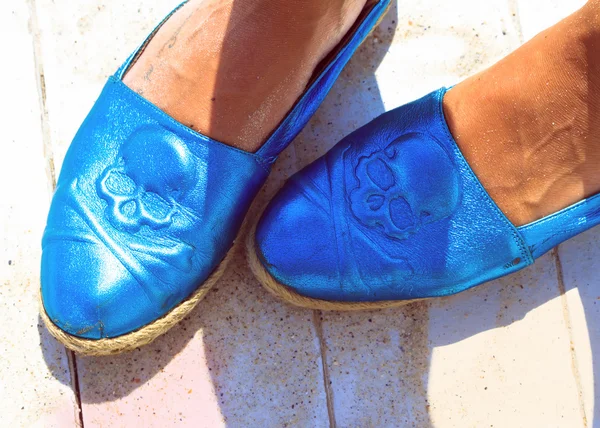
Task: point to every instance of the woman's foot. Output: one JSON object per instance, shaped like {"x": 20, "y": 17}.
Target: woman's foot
{"x": 233, "y": 69}
{"x": 529, "y": 126}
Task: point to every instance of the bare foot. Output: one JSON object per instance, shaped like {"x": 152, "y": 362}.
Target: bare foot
{"x": 232, "y": 69}
{"x": 529, "y": 126}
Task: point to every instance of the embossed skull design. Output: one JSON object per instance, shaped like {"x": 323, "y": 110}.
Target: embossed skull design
{"x": 409, "y": 184}
{"x": 145, "y": 186}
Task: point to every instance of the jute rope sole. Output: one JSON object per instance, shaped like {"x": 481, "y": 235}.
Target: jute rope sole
{"x": 286, "y": 293}
{"x": 144, "y": 335}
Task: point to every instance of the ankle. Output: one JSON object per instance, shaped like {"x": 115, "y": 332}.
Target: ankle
{"x": 232, "y": 70}
{"x": 529, "y": 126}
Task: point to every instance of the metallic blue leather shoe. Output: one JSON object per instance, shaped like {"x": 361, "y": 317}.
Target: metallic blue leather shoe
{"x": 146, "y": 210}
{"x": 392, "y": 214}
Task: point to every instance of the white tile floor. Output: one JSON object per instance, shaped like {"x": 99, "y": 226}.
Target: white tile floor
{"x": 517, "y": 352}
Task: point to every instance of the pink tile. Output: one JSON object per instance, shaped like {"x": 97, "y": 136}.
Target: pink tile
{"x": 240, "y": 359}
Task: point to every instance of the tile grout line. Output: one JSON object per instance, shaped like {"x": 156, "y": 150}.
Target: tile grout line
{"x": 316, "y": 318}
{"x": 513, "y": 6}
{"x": 326, "y": 378}
{"x": 567, "y": 318}
{"x": 75, "y": 385}
{"x": 41, "y": 83}
{"x": 50, "y": 171}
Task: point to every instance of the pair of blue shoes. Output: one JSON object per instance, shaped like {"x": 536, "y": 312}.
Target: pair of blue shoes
{"x": 146, "y": 211}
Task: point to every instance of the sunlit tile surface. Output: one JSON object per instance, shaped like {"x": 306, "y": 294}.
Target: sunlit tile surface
{"x": 517, "y": 352}
{"x": 35, "y": 383}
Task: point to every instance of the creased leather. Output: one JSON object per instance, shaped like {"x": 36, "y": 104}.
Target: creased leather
{"x": 145, "y": 208}
{"x": 143, "y": 212}
{"x": 392, "y": 212}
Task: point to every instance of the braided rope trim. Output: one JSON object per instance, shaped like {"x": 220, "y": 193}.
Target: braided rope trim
{"x": 143, "y": 336}
{"x": 286, "y": 293}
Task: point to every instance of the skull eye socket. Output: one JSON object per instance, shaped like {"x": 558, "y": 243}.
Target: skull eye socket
{"x": 380, "y": 174}
{"x": 375, "y": 202}
{"x": 401, "y": 214}
{"x": 120, "y": 184}
{"x": 128, "y": 209}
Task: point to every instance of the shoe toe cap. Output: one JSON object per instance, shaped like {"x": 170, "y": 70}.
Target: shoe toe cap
{"x": 295, "y": 241}
{"x": 88, "y": 293}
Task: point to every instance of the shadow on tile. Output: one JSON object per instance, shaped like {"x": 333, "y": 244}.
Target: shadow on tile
{"x": 494, "y": 304}
{"x": 51, "y": 349}
{"x": 580, "y": 263}
{"x": 380, "y": 361}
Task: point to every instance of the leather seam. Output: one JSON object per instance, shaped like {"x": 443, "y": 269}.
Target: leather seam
{"x": 517, "y": 239}
{"x": 553, "y": 216}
